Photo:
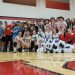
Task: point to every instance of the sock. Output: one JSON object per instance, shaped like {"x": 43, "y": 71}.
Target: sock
{"x": 14, "y": 49}
{"x": 23, "y": 50}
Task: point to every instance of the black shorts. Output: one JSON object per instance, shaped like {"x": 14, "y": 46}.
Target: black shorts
{"x": 0, "y": 39}
{"x": 3, "y": 39}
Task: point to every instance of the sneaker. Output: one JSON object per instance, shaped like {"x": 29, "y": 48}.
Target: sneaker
{"x": 51, "y": 51}
{"x": 62, "y": 51}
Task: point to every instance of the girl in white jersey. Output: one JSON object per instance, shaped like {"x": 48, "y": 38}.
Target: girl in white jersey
{"x": 19, "y": 42}
{"x": 28, "y": 40}
{"x": 48, "y": 33}
{"x": 34, "y": 41}
{"x": 62, "y": 24}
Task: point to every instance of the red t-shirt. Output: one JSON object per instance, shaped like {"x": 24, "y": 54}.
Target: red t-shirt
{"x": 61, "y": 37}
{"x": 66, "y": 38}
{"x": 9, "y": 29}
{"x": 73, "y": 31}
{"x": 73, "y": 38}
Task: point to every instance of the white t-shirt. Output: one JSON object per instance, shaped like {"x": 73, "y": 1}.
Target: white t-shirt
{"x": 63, "y": 25}
{"x": 56, "y": 37}
{"x": 48, "y": 34}
{"x": 34, "y": 37}
{"x": 19, "y": 38}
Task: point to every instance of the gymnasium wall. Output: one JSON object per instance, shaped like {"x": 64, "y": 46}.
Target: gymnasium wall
{"x": 72, "y": 11}
{"x": 38, "y": 11}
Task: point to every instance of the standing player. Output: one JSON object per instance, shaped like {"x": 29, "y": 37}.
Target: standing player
{"x": 16, "y": 31}
{"x": 1, "y": 35}
{"x": 8, "y": 34}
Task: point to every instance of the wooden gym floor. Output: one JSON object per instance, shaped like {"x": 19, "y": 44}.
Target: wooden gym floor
{"x": 52, "y": 62}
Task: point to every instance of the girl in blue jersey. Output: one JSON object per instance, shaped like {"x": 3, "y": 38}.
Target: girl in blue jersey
{"x": 16, "y": 31}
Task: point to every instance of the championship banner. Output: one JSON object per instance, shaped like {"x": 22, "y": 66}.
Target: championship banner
{"x": 58, "y": 4}
{"x": 22, "y": 2}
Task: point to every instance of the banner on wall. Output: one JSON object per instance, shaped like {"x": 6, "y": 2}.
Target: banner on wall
{"x": 58, "y": 4}
{"x": 22, "y": 2}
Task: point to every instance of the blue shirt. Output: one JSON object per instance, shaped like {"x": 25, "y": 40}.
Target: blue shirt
{"x": 16, "y": 31}
{"x": 1, "y": 31}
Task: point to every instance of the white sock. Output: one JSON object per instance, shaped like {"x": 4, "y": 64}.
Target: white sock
{"x": 23, "y": 50}
{"x": 14, "y": 49}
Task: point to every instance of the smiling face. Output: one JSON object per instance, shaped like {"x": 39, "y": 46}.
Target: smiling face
{"x": 20, "y": 34}
{"x": 40, "y": 30}
{"x": 69, "y": 31}
{"x": 46, "y": 21}
{"x": 61, "y": 19}
{"x": 28, "y": 33}
{"x": 34, "y": 32}
{"x": 52, "y": 20}
{"x": 6, "y": 23}
{"x": 57, "y": 19}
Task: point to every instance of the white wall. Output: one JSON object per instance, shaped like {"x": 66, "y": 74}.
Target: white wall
{"x": 40, "y": 11}
{"x": 72, "y": 11}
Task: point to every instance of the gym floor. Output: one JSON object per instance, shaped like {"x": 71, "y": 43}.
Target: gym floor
{"x": 53, "y": 62}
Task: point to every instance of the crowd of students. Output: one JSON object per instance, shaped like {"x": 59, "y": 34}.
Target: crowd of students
{"x": 42, "y": 35}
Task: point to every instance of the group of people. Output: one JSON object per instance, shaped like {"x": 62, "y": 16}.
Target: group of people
{"x": 41, "y": 35}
